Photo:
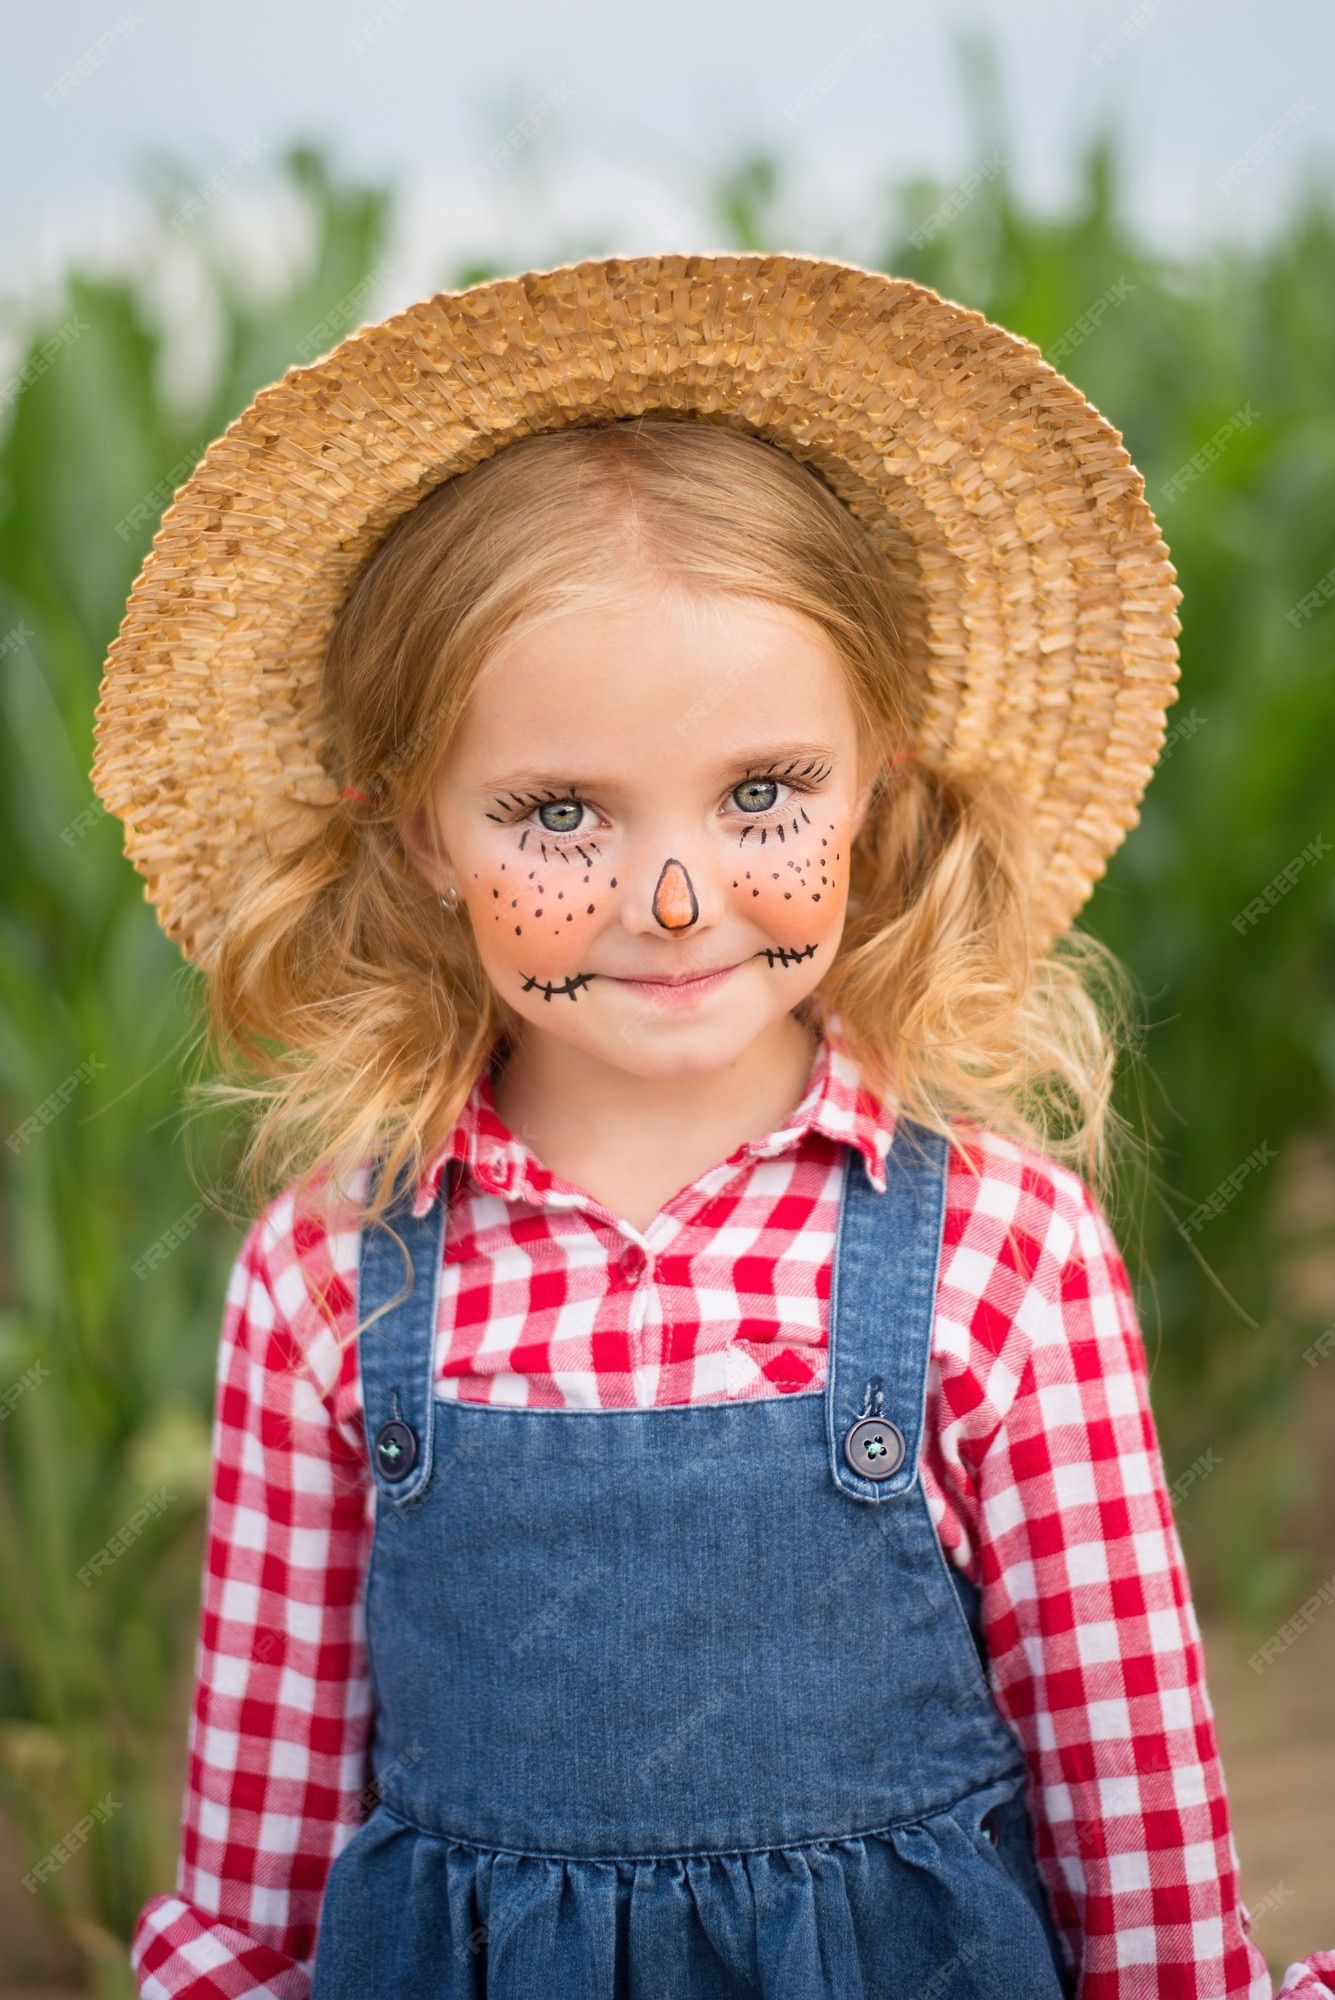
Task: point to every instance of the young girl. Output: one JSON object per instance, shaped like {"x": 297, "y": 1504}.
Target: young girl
{"x": 687, "y": 1519}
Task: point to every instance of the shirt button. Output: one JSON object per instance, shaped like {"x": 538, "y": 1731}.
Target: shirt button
{"x": 631, "y": 1264}
{"x": 874, "y": 1447}
{"x": 496, "y": 1168}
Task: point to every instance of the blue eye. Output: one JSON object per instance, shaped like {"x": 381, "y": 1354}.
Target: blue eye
{"x": 757, "y": 794}
{"x": 560, "y": 815}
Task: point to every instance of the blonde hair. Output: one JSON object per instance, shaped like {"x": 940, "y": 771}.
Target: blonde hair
{"x": 352, "y": 1014}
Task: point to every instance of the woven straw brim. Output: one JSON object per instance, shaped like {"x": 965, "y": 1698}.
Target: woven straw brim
{"x": 1041, "y": 598}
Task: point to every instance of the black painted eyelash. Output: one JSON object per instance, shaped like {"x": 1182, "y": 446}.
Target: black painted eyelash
{"x": 563, "y": 845}
{"x": 524, "y": 802}
{"x": 802, "y": 780}
{"x": 816, "y": 773}
{"x": 773, "y": 818}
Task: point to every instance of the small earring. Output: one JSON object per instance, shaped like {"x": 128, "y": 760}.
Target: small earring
{"x": 450, "y": 900}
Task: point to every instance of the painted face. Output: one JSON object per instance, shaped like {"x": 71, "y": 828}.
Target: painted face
{"x": 648, "y": 812}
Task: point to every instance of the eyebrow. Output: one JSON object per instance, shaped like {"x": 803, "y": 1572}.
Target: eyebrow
{"x": 531, "y": 777}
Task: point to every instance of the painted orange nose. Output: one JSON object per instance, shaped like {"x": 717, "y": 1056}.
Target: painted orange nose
{"x": 674, "y": 898}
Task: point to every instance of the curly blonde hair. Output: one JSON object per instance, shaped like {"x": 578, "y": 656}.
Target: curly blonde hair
{"x": 351, "y": 1016}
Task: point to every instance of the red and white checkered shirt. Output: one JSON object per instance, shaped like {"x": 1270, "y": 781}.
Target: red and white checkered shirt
{"x": 1040, "y": 1465}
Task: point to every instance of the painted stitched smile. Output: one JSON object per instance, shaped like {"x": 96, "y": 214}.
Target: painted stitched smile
{"x": 569, "y": 986}
{"x": 775, "y": 954}
{"x": 783, "y": 957}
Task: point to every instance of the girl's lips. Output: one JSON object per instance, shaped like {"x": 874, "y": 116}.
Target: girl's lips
{"x": 680, "y": 992}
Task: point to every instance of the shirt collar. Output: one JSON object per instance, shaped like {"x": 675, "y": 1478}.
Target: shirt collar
{"x": 837, "y": 1101}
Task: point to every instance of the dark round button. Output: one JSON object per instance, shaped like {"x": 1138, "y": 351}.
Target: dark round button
{"x": 395, "y": 1451}
{"x": 874, "y": 1447}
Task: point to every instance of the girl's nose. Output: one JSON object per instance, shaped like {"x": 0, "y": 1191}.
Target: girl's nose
{"x": 675, "y": 905}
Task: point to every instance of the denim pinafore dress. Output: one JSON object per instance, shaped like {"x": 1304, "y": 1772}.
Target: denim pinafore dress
{"x": 682, "y": 1703}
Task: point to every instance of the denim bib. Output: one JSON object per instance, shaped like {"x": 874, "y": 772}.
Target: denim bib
{"x": 682, "y": 1703}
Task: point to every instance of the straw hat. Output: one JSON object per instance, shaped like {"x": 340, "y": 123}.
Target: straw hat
{"x": 1040, "y": 591}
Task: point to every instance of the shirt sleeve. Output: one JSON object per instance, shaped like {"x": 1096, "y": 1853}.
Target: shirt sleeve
{"x": 1092, "y": 1636}
{"x": 281, "y": 1705}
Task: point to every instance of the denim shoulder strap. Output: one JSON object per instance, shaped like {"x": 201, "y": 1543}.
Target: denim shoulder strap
{"x": 882, "y": 1305}
{"x": 396, "y": 1354}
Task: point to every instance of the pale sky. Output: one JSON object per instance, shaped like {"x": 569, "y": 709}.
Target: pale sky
{"x": 632, "y": 107}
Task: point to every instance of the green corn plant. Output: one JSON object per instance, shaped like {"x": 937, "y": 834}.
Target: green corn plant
{"x": 118, "y": 1228}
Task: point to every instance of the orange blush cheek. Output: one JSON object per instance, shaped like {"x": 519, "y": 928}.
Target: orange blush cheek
{"x": 796, "y": 893}
{"x": 539, "y": 920}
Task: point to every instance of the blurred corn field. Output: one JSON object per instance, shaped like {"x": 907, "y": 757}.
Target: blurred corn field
{"x": 118, "y": 1220}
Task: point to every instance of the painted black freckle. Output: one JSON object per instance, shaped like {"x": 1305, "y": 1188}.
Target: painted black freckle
{"x": 589, "y": 911}
{"x": 531, "y": 873}
{"x": 755, "y": 892}
{"x": 816, "y": 897}
{"x": 560, "y": 895}
{"x": 495, "y": 892}
{"x": 787, "y": 895}
{"x": 824, "y": 842}
{"x": 570, "y": 920}
{"x": 614, "y": 881}
{"x": 518, "y": 932}
{"x": 734, "y": 885}
{"x": 586, "y": 878}
{"x": 775, "y": 876}
{"x": 537, "y": 913}
{"x": 514, "y": 902}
